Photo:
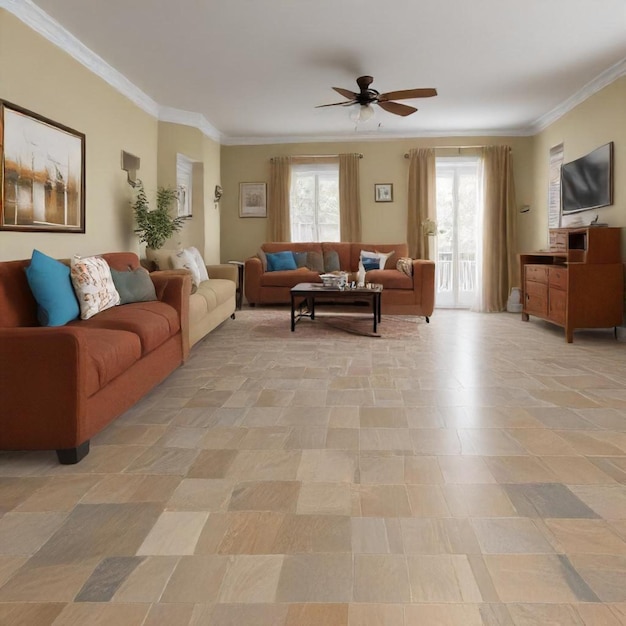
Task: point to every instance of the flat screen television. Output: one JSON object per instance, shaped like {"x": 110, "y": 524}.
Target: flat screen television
{"x": 587, "y": 182}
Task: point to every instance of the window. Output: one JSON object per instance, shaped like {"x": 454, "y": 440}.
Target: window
{"x": 314, "y": 202}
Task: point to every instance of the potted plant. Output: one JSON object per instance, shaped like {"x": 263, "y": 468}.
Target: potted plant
{"x": 155, "y": 227}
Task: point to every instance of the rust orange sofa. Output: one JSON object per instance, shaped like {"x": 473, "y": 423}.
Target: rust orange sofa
{"x": 402, "y": 294}
{"x": 61, "y": 385}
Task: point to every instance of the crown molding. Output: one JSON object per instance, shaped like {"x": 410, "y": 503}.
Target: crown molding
{"x": 370, "y": 136}
{"x": 50, "y": 29}
{"x": 599, "y": 82}
{"x": 189, "y": 118}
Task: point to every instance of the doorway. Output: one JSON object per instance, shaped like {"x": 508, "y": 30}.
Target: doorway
{"x": 457, "y": 231}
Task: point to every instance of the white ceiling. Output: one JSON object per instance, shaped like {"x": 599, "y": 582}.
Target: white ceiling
{"x": 255, "y": 69}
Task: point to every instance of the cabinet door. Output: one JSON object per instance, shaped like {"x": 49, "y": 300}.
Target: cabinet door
{"x": 557, "y": 277}
{"x": 557, "y": 305}
{"x": 536, "y": 298}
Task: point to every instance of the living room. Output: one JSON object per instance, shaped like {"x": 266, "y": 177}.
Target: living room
{"x": 466, "y": 472}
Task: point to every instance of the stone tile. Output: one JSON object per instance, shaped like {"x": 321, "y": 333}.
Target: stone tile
{"x": 478, "y": 500}
{"x": 59, "y": 494}
{"x": 604, "y": 573}
{"x": 598, "y": 615}
{"x": 536, "y": 578}
{"x": 465, "y": 469}
{"x": 251, "y": 579}
{"x": 547, "y": 500}
{"x": 102, "y": 613}
{"x": 147, "y": 581}
{"x": 427, "y": 501}
{"x": 137, "y": 434}
{"x": 244, "y": 615}
{"x": 365, "y": 614}
{"x": 201, "y": 494}
{"x": 382, "y": 417}
{"x": 614, "y": 467}
{"x": 384, "y": 500}
{"x": 313, "y": 533}
{"x": 9, "y": 565}
{"x": 174, "y": 533}
{"x": 444, "y": 614}
{"x": 169, "y": 614}
{"x": 212, "y": 464}
{"x": 576, "y": 470}
{"x": 608, "y": 501}
{"x": 442, "y": 578}
{"x": 316, "y": 578}
{"x": 14, "y": 491}
{"x": 544, "y": 614}
{"x": 422, "y": 470}
{"x": 25, "y": 533}
{"x": 510, "y": 536}
{"x": 328, "y": 466}
{"x": 342, "y": 439}
{"x": 489, "y": 441}
{"x": 99, "y": 530}
{"x": 324, "y": 499}
{"x": 381, "y": 578}
{"x": 175, "y": 461}
{"x": 519, "y": 469}
{"x": 542, "y": 442}
{"x": 266, "y": 438}
{"x": 317, "y": 614}
{"x": 438, "y": 536}
{"x": 106, "y": 579}
{"x": 378, "y": 468}
{"x": 196, "y": 579}
{"x": 584, "y": 536}
{"x": 265, "y": 496}
{"x": 31, "y": 614}
{"x": 436, "y": 441}
{"x": 125, "y": 488}
{"x": 265, "y": 465}
{"x": 375, "y": 535}
{"x": 306, "y": 438}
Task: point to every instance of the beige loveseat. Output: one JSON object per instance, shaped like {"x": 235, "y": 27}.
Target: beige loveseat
{"x": 402, "y": 294}
{"x": 214, "y": 300}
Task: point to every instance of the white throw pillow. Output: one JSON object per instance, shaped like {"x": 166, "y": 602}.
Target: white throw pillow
{"x": 197, "y": 257}
{"x": 93, "y": 285}
{"x": 183, "y": 260}
{"x": 383, "y": 258}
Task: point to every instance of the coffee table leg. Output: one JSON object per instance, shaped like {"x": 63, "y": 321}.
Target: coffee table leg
{"x": 380, "y": 306}
{"x": 293, "y": 313}
{"x": 375, "y": 309}
{"x": 311, "y": 303}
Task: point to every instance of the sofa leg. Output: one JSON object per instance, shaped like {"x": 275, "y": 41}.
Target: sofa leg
{"x": 232, "y": 317}
{"x": 71, "y": 456}
{"x": 252, "y": 304}
{"x": 427, "y": 319}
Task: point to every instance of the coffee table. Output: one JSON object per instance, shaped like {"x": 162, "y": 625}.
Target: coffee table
{"x": 306, "y": 294}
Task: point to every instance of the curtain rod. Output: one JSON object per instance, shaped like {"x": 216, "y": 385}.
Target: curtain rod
{"x": 407, "y": 155}
{"x": 318, "y": 156}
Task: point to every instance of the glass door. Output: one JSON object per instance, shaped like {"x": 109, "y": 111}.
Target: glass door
{"x": 457, "y": 220}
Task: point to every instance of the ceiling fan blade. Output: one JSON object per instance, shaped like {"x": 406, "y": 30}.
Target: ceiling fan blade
{"x": 335, "y": 104}
{"x": 346, "y": 93}
{"x": 397, "y": 108}
{"x": 406, "y": 94}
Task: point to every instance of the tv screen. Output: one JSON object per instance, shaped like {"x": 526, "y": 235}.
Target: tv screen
{"x": 587, "y": 183}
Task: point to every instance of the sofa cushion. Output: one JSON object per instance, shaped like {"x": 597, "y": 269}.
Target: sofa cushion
{"x": 93, "y": 284}
{"x": 153, "y": 322}
{"x": 50, "y": 283}
{"x": 290, "y": 278}
{"x": 390, "y": 279}
{"x": 109, "y": 354}
{"x": 134, "y": 285}
{"x": 280, "y": 261}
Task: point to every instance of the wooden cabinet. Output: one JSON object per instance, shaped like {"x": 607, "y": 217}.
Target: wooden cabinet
{"x": 578, "y": 282}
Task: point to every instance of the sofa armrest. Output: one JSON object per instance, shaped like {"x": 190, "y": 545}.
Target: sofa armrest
{"x": 42, "y": 402}
{"x": 252, "y": 279}
{"x": 424, "y": 284}
{"x": 225, "y": 271}
{"x": 174, "y": 288}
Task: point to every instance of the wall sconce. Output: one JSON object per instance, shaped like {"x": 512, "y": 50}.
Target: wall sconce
{"x": 130, "y": 164}
{"x": 219, "y": 192}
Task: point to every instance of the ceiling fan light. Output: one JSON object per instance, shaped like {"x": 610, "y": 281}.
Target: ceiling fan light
{"x": 362, "y": 113}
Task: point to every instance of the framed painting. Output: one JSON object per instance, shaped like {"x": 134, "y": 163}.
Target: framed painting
{"x": 383, "y": 192}
{"x": 252, "y": 200}
{"x": 43, "y": 173}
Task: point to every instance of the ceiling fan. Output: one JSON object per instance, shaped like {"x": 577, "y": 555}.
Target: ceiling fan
{"x": 367, "y": 96}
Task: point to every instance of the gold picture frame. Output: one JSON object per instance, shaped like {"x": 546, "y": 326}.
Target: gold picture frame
{"x": 252, "y": 200}
{"x": 42, "y": 178}
{"x": 383, "y": 192}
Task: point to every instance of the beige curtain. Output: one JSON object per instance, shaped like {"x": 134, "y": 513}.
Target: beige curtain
{"x": 278, "y": 224}
{"x": 499, "y": 256}
{"x": 421, "y": 202}
{"x": 349, "y": 198}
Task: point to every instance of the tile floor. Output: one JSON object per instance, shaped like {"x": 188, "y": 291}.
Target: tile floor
{"x": 467, "y": 472}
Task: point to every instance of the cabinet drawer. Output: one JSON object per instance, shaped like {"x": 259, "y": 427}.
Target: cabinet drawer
{"x": 558, "y": 241}
{"x": 557, "y": 277}
{"x": 537, "y": 273}
{"x": 557, "y": 305}
{"x": 536, "y": 289}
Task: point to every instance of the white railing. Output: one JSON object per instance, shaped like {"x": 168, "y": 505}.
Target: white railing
{"x": 466, "y": 272}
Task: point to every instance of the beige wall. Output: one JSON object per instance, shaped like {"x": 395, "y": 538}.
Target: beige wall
{"x": 383, "y": 162}
{"x": 38, "y": 76}
{"x": 596, "y": 121}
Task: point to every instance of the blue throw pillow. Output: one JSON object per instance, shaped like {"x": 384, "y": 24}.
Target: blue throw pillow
{"x": 370, "y": 264}
{"x": 50, "y": 283}
{"x": 280, "y": 261}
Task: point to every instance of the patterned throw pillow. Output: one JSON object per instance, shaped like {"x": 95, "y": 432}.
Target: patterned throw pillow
{"x": 93, "y": 285}
{"x": 183, "y": 260}
{"x": 405, "y": 265}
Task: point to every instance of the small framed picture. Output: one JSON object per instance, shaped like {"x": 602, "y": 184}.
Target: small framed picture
{"x": 383, "y": 192}
{"x": 252, "y": 200}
